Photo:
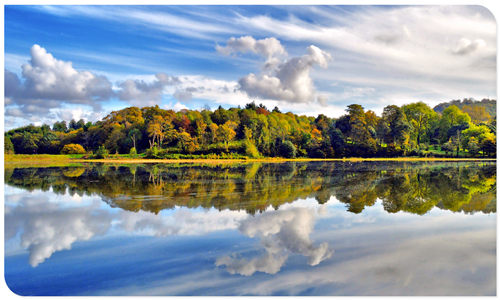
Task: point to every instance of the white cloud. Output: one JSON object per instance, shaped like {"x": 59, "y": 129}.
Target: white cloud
{"x": 183, "y": 95}
{"x": 268, "y": 47}
{"x": 141, "y": 93}
{"x": 323, "y": 100}
{"x": 51, "y": 83}
{"x": 161, "y": 21}
{"x": 49, "y": 78}
{"x": 399, "y": 51}
{"x": 466, "y": 46}
{"x": 290, "y": 82}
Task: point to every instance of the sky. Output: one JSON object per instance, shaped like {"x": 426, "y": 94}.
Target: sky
{"x": 64, "y": 62}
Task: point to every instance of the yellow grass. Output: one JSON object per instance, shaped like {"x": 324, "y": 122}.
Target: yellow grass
{"x": 15, "y": 160}
{"x": 278, "y": 160}
{"x": 39, "y": 160}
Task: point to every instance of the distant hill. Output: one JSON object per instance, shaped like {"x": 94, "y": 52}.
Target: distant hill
{"x": 490, "y": 105}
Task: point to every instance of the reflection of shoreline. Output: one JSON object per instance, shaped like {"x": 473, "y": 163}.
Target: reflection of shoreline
{"x": 409, "y": 187}
{"x": 280, "y": 232}
{"x": 253, "y": 188}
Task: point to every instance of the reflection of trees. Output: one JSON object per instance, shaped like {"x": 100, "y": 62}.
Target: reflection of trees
{"x": 402, "y": 186}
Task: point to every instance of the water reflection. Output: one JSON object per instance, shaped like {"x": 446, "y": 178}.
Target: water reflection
{"x": 49, "y": 227}
{"x": 280, "y": 232}
{"x": 409, "y": 187}
{"x": 397, "y": 228}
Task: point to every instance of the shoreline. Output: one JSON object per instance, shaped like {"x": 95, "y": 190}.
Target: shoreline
{"x": 47, "y": 160}
{"x": 267, "y": 160}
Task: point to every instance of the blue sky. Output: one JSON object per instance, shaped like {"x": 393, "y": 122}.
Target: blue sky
{"x": 304, "y": 59}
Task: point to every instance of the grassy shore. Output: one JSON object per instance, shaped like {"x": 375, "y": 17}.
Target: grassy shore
{"x": 278, "y": 160}
{"x": 13, "y": 160}
{"x": 41, "y": 160}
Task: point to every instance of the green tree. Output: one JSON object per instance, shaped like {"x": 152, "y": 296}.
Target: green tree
{"x": 186, "y": 142}
{"x": 421, "y": 117}
{"x": 472, "y": 146}
{"x": 28, "y": 143}
{"x": 397, "y": 124}
{"x": 135, "y": 134}
{"x": 489, "y": 146}
{"x": 225, "y": 134}
{"x": 479, "y": 133}
{"x": 8, "y": 146}
{"x": 101, "y": 152}
{"x": 451, "y": 116}
{"x": 288, "y": 150}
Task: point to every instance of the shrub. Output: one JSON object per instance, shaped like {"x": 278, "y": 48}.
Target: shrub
{"x": 287, "y": 150}
{"x": 8, "y": 146}
{"x": 102, "y": 152}
{"x": 133, "y": 152}
{"x": 73, "y": 149}
{"x": 152, "y": 153}
{"x": 250, "y": 150}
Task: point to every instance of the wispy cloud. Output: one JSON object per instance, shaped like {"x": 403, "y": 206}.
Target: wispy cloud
{"x": 161, "y": 21}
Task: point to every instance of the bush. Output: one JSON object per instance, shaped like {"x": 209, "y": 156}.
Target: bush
{"x": 133, "y": 151}
{"x": 102, "y": 152}
{"x": 73, "y": 149}
{"x": 250, "y": 150}
{"x": 152, "y": 153}
{"x": 287, "y": 150}
{"x": 8, "y": 146}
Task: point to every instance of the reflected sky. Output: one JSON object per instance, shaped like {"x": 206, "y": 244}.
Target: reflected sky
{"x": 63, "y": 244}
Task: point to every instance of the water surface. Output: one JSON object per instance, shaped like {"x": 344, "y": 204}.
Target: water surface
{"x": 317, "y": 228}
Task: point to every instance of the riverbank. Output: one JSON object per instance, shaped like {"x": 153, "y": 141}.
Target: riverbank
{"x": 59, "y": 160}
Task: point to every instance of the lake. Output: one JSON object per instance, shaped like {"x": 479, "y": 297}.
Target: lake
{"x": 294, "y": 228}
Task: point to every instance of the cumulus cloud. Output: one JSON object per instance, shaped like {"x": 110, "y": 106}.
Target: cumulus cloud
{"x": 289, "y": 81}
{"x": 49, "y": 78}
{"x": 323, "y": 100}
{"x": 141, "y": 93}
{"x": 49, "y": 83}
{"x": 12, "y": 84}
{"x": 268, "y": 47}
{"x": 183, "y": 95}
{"x": 280, "y": 232}
{"x": 403, "y": 52}
{"x": 186, "y": 94}
{"x": 466, "y": 46}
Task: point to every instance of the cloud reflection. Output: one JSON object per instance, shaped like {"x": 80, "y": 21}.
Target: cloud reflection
{"x": 280, "y": 232}
{"x": 48, "y": 227}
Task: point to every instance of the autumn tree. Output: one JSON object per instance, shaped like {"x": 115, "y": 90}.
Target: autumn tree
{"x": 477, "y": 114}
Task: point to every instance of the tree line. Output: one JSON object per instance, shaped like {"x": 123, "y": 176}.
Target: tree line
{"x": 255, "y": 131}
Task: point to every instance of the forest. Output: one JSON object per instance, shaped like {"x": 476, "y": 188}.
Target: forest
{"x": 458, "y": 128}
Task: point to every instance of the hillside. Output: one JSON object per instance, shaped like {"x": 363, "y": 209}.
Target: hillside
{"x": 490, "y": 105}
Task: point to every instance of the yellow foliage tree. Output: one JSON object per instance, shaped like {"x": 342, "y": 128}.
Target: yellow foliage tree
{"x": 73, "y": 149}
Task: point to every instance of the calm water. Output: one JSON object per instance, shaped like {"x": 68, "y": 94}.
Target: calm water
{"x": 252, "y": 229}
